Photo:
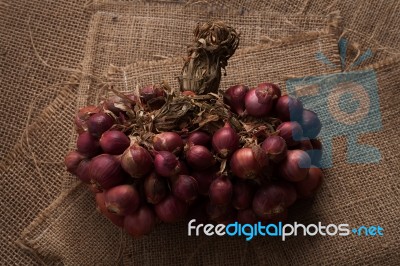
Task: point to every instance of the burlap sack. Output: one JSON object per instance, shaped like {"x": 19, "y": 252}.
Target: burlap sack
{"x": 24, "y": 207}
{"x": 54, "y": 234}
{"x": 40, "y": 44}
{"x": 33, "y": 175}
{"x": 368, "y": 24}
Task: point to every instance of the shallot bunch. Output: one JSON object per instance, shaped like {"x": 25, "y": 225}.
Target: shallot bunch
{"x": 162, "y": 155}
{"x": 221, "y": 176}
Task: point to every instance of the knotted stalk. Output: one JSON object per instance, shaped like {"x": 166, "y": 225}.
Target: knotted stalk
{"x": 214, "y": 43}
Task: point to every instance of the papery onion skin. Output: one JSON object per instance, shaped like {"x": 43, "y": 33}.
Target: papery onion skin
{"x": 234, "y": 97}
{"x": 150, "y": 92}
{"x": 258, "y": 102}
{"x": 185, "y": 188}
{"x": 199, "y": 138}
{"x": 111, "y": 104}
{"x": 245, "y": 165}
{"x": 171, "y": 209}
{"x": 288, "y": 108}
{"x": 114, "y": 142}
{"x": 295, "y": 166}
{"x": 122, "y": 199}
{"x": 272, "y": 88}
{"x": 305, "y": 145}
{"x": 225, "y": 141}
{"x": 83, "y": 171}
{"x": 291, "y": 194}
{"x": 221, "y": 190}
{"x": 140, "y": 223}
{"x": 270, "y": 199}
{"x": 199, "y": 157}
{"x": 105, "y": 171}
{"x": 155, "y": 188}
{"x": 275, "y": 147}
{"x": 88, "y": 145}
{"x": 136, "y": 161}
{"x": 311, "y": 124}
{"x": 72, "y": 161}
{"x": 168, "y": 141}
{"x": 166, "y": 164}
{"x": 99, "y": 123}
{"x": 308, "y": 187}
{"x": 291, "y": 132}
{"x": 153, "y": 97}
{"x": 94, "y": 188}
{"x": 82, "y": 117}
{"x": 101, "y": 207}
{"x": 188, "y": 93}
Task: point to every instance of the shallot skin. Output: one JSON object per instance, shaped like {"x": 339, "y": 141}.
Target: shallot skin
{"x": 122, "y": 200}
{"x": 310, "y": 123}
{"x": 185, "y": 188}
{"x": 225, "y": 141}
{"x": 166, "y": 164}
{"x": 101, "y": 207}
{"x": 288, "y": 108}
{"x": 199, "y": 138}
{"x": 243, "y": 193}
{"x": 199, "y": 157}
{"x": 171, "y": 209}
{"x": 114, "y": 142}
{"x": 168, "y": 141}
{"x": 291, "y": 132}
{"x": 308, "y": 187}
{"x": 248, "y": 163}
{"x": 221, "y": 190}
{"x": 83, "y": 116}
{"x": 88, "y": 145}
{"x": 258, "y": 102}
{"x": 155, "y": 188}
{"x": 275, "y": 147}
{"x": 105, "y": 171}
{"x": 272, "y": 88}
{"x": 99, "y": 123}
{"x": 296, "y": 166}
{"x": 234, "y": 97}
{"x": 136, "y": 161}
{"x": 140, "y": 223}
{"x": 269, "y": 200}
{"x": 72, "y": 161}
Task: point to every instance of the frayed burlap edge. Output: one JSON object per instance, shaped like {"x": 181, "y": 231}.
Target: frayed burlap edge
{"x": 43, "y": 118}
{"x": 384, "y": 63}
{"x": 29, "y": 245}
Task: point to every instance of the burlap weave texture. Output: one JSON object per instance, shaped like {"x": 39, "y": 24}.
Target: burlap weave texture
{"x": 348, "y": 195}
